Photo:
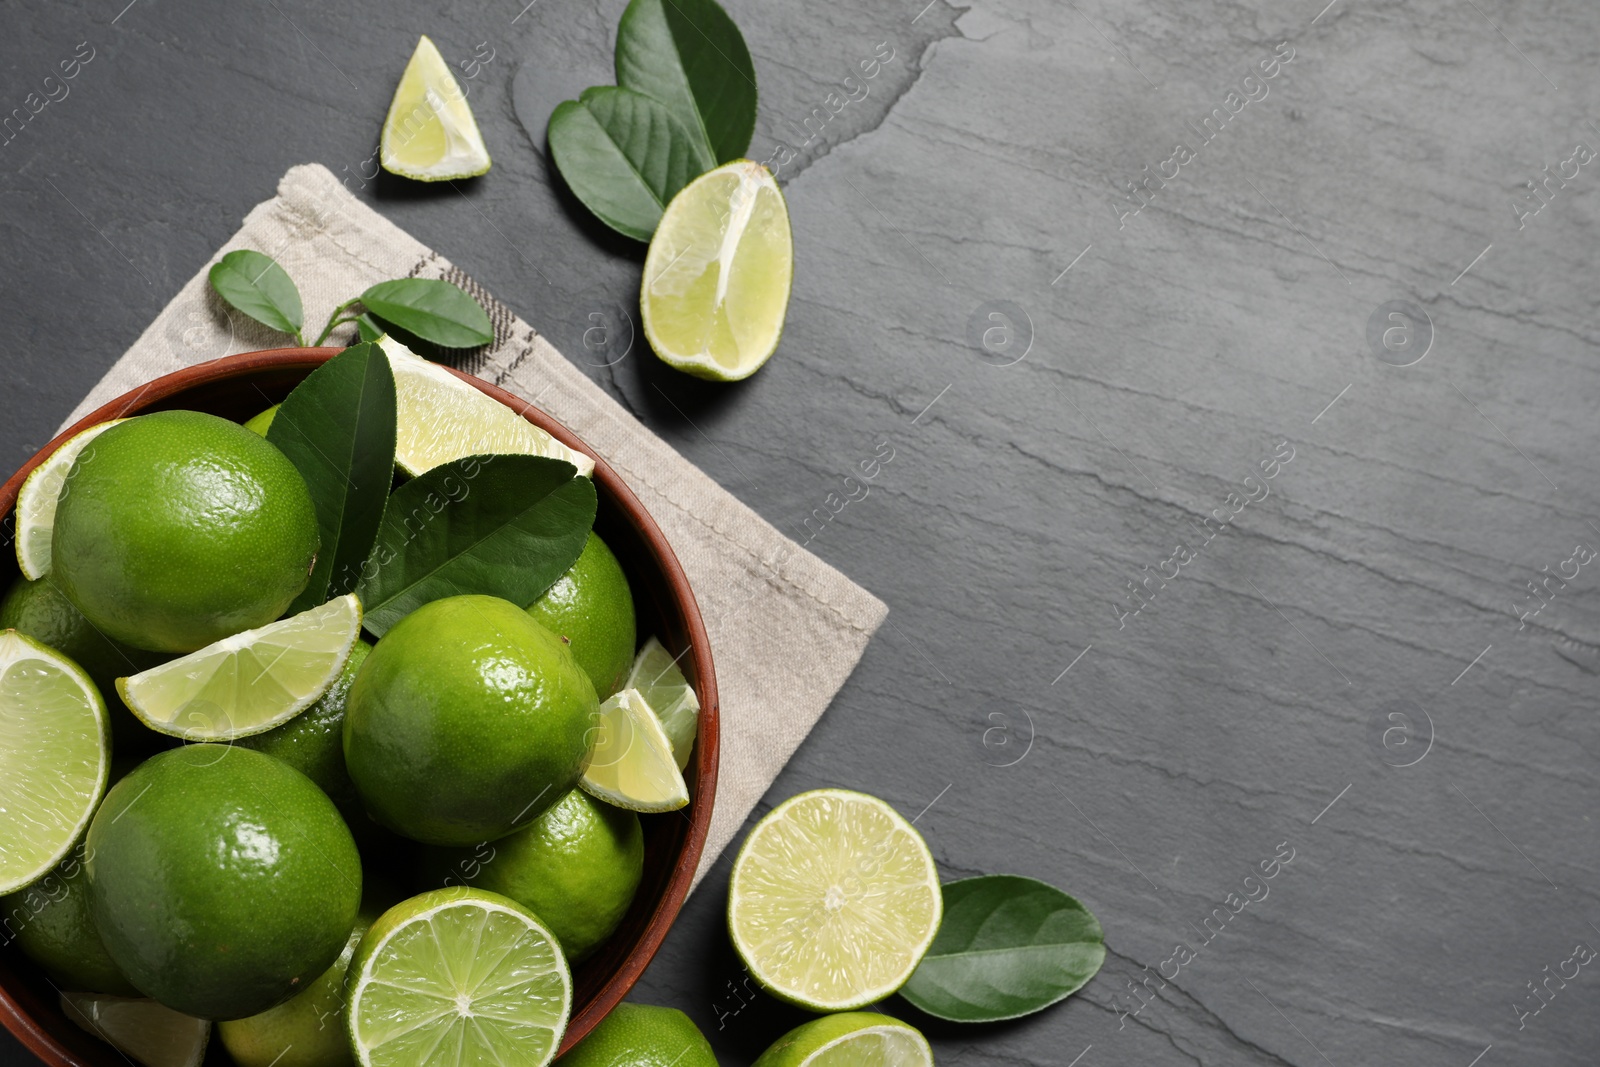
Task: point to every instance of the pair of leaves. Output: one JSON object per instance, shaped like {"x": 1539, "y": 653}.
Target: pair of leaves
{"x": 1008, "y": 946}
{"x": 432, "y": 309}
{"x": 685, "y": 101}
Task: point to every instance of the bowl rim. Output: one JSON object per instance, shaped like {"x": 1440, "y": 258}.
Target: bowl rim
{"x": 43, "y": 1044}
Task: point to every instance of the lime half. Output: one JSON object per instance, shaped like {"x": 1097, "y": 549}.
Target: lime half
{"x": 430, "y": 134}
{"x": 440, "y": 418}
{"x": 457, "y": 977}
{"x": 248, "y": 683}
{"x": 55, "y": 754}
{"x": 850, "y": 1039}
{"x": 630, "y": 758}
{"x": 143, "y": 1030}
{"x": 717, "y": 276}
{"x": 36, "y": 501}
{"x": 662, "y": 685}
{"x": 833, "y": 901}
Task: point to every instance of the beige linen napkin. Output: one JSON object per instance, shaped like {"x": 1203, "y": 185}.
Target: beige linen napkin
{"x": 786, "y": 629}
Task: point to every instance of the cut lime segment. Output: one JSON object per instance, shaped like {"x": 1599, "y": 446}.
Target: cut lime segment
{"x": 440, "y": 418}
{"x": 662, "y": 685}
{"x": 457, "y": 977}
{"x": 36, "y": 501}
{"x": 630, "y": 758}
{"x": 717, "y": 276}
{"x": 430, "y": 134}
{"x": 55, "y": 754}
{"x": 833, "y": 901}
{"x": 143, "y": 1030}
{"x": 248, "y": 683}
{"x": 850, "y": 1039}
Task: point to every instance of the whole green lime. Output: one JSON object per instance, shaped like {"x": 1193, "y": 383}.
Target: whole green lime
{"x": 313, "y": 741}
{"x": 591, "y": 608}
{"x": 466, "y": 722}
{"x": 577, "y": 868}
{"x": 222, "y": 880}
{"x": 51, "y": 923}
{"x": 178, "y": 529}
{"x": 642, "y": 1035}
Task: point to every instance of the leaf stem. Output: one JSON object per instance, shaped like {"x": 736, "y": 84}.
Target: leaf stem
{"x": 334, "y": 321}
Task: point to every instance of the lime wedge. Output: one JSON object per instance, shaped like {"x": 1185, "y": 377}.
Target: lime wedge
{"x": 630, "y": 758}
{"x": 662, "y": 685}
{"x": 430, "y": 134}
{"x": 833, "y": 901}
{"x": 850, "y": 1039}
{"x": 457, "y": 977}
{"x": 36, "y": 502}
{"x": 55, "y": 753}
{"x": 716, "y": 278}
{"x": 440, "y": 418}
{"x": 248, "y": 683}
{"x": 143, "y": 1030}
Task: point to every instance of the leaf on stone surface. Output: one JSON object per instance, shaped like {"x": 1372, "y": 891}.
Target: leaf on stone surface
{"x": 689, "y": 55}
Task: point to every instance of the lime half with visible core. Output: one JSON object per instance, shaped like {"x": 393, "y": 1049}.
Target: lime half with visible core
{"x": 143, "y": 1030}
{"x": 657, "y": 678}
{"x": 834, "y": 900}
{"x": 55, "y": 757}
{"x": 430, "y": 134}
{"x": 456, "y": 977}
{"x": 37, "y": 499}
{"x": 717, "y": 276}
{"x": 850, "y": 1039}
{"x": 630, "y": 758}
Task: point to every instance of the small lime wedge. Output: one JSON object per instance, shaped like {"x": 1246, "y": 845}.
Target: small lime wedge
{"x": 662, "y": 685}
{"x": 630, "y": 758}
{"x": 430, "y": 134}
{"x": 834, "y": 900}
{"x": 850, "y": 1039}
{"x": 717, "y": 276}
{"x": 36, "y": 501}
{"x": 248, "y": 683}
{"x": 143, "y": 1030}
{"x": 455, "y": 977}
{"x": 55, "y": 755}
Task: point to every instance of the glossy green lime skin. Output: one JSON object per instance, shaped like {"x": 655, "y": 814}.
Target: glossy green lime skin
{"x": 178, "y": 528}
{"x": 591, "y": 607}
{"x": 642, "y": 1035}
{"x": 222, "y": 880}
{"x": 262, "y": 422}
{"x": 577, "y": 868}
{"x": 313, "y": 741}
{"x": 51, "y": 923}
{"x": 466, "y": 722}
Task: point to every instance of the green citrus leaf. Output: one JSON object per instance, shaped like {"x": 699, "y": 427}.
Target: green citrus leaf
{"x": 505, "y": 526}
{"x": 689, "y": 55}
{"x": 1008, "y": 946}
{"x": 624, "y": 156}
{"x": 255, "y": 284}
{"x": 433, "y": 309}
{"x": 338, "y": 428}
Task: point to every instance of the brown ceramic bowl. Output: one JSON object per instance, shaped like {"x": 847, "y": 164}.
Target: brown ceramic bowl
{"x": 237, "y": 387}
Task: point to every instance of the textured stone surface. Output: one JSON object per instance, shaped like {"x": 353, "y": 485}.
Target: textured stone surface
{"x": 1383, "y": 574}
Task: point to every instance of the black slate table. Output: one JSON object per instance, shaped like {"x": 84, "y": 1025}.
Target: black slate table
{"x": 1241, "y": 501}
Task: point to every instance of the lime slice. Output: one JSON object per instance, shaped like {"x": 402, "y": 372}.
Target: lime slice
{"x": 440, "y": 418}
{"x": 430, "y": 134}
{"x": 36, "y": 502}
{"x": 716, "y": 278}
{"x": 833, "y": 901}
{"x": 55, "y": 753}
{"x": 662, "y": 685}
{"x": 457, "y": 977}
{"x": 248, "y": 683}
{"x": 630, "y": 759}
{"x": 850, "y": 1039}
{"x": 143, "y": 1030}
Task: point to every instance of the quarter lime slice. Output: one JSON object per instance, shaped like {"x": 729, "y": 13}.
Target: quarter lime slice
{"x": 440, "y": 418}
{"x": 717, "y": 276}
{"x": 630, "y": 758}
{"x": 662, "y": 685}
{"x": 36, "y": 502}
{"x": 850, "y": 1039}
{"x": 833, "y": 901}
{"x": 429, "y": 133}
{"x": 457, "y": 977}
{"x": 143, "y": 1030}
{"x": 248, "y": 683}
{"x": 55, "y": 754}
